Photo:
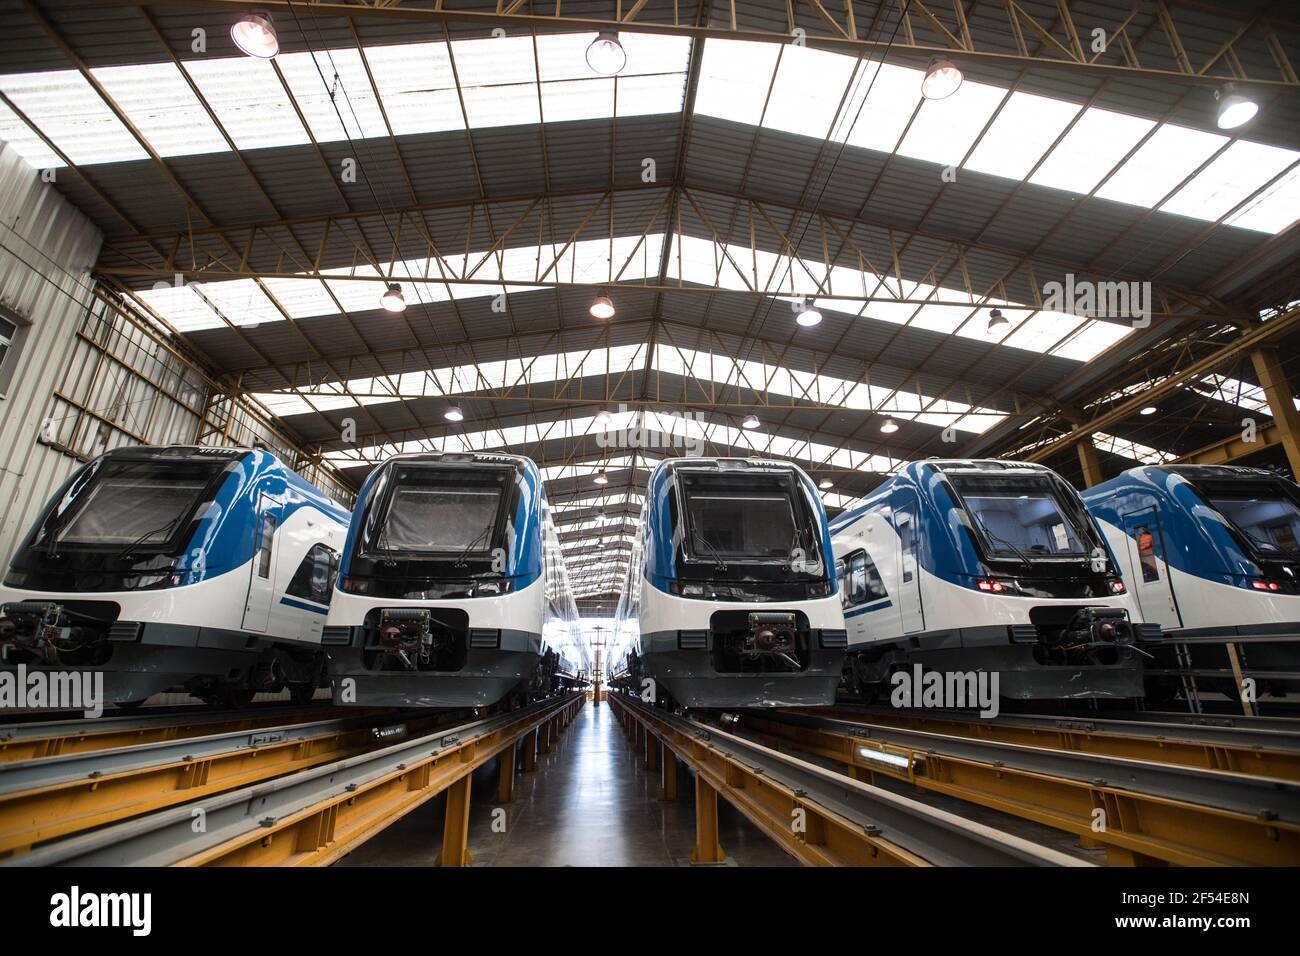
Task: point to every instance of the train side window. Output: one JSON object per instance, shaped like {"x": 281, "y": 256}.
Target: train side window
{"x": 314, "y": 578}
{"x": 264, "y": 549}
{"x": 862, "y": 581}
{"x": 1147, "y": 554}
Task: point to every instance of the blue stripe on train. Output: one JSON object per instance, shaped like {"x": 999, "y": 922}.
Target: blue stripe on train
{"x": 304, "y": 606}
{"x": 869, "y": 609}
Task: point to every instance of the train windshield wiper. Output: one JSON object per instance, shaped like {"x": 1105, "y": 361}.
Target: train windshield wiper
{"x": 717, "y": 558}
{"x": 164, "y": 530}
{"x": 460, "y": 559}
{"x": 1024, "y": 558}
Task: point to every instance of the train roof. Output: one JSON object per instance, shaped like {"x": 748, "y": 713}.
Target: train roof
{"x": 462, "y": 457}
{"x": 727, "y": 464}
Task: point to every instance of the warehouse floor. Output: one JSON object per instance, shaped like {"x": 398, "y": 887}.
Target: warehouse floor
{"x": 588, "y": 804}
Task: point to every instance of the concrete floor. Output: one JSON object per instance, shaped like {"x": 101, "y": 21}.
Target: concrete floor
{"x": 588, "y": 804}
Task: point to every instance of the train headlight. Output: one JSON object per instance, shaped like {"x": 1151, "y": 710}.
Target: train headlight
{"x": 1117, "y": 587}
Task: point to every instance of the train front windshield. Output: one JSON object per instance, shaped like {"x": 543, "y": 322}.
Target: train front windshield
{"x": 1020, "y": 516}
{"x": 747, "y": 518}
{"x": 141, "y": 503}
{"x": 1266, "y": 516}
{"x": 434, "y": 511}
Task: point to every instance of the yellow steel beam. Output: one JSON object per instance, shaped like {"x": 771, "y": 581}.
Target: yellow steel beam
{"x": 1243, "y": 758}
{"x": 1134, "y": 827}
{"x": 34, "y": 816}
{"x": 324, "y": 832}
{"x": 1234, "y": 447}
{"x": 1090, "y": 461}
{"x": 1281, "y": 402}
{"x": 826, "y": 839}
{"x": 88, "y": 738}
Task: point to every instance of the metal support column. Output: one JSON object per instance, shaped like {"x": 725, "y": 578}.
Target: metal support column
{"x": 708, "y": 849}
{"x": 1281, "y": 402}
{"x": 652, "y": 746}
{"x": 455, "y": 827}
{"x": 506, "y": 781}
{"x": 1090, "y": 462}
{"x": 530, "y": 751}
{"x": 668, "y": 775}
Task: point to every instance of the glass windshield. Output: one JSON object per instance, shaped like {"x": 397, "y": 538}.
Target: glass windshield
{"x": 1019, "y": 517}
{"x": 442, "y": 510}
{"x": 141, "y": 502}
{"x": 1270, "y": 521}
{"x": 742, "y": 519}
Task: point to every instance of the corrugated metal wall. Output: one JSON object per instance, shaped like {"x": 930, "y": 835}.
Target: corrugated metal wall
{"x": 46, "y": 250}
{"x": 93, "y": 374}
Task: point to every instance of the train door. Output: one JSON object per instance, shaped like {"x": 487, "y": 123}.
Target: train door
{"x": 261, "y": 578}
{"x": 1151, "y": 583}
{"x": 911, "y": 614}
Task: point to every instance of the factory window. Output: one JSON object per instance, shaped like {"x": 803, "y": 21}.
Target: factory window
{"x": 264, "y": 550}
{"x": 10, "y": 336}
{"x": 314, "y": 579}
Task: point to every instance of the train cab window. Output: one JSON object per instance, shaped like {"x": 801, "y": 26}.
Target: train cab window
{"x": 1147, "y": 554}
{"x": 264, "y": 547}
{"x": 1019, "y": 516}
{"x": 732, "y": 518}
{"x": 862, "y": 581}
{"x": 314, "y": 579}
{"x": 1270, "y": 521}
{"x": 443, "y": 510}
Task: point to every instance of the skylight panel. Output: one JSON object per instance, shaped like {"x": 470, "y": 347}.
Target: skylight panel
{"x": 945, "y": 129}
{"x": 578, "y": 99}
{"x": 163, "y": 107}
{"x": 1163, "y": 161}
{"x": 734, "y": 79}
{"x": 247, "y": 98}
{"x": 1132, "y": 450}
{"x": 650, "y": 95}
{"x": 1022, "y": 133}
{"x": 417, "y": 86}
{"x": 808, "y": 89}
{"x": 69, "y": 111}
{"x": 1091, "y": 340}
{"x": 1276, "y": 209}
{"x": 1099, "y": 140}
{"x": 504, "y": 105}
{"x": 892, "y": 94}
{"x": 344, "y": 76}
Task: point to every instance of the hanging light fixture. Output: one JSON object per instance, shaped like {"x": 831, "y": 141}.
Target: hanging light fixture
{"x": 254, "y": 34}
{"x": 1235, "y": 109}
{"x": 602, "y": 307}
{"x": 825, "y": 483}
{"x": 606, "y": 55}
{"x": 942, "y": 78}
{"x": 600, "y": 478}
{"x": 393, "y": 300}
{"x": 997, "y": 321}
{"x": 1149, "y": 410}
{"x": 807, "y": 315}
{"x": 751, "y": 421}
{"x": 603, "y": 417}
{"x": 889, "y": 427}
{"x": 454, "y": 414}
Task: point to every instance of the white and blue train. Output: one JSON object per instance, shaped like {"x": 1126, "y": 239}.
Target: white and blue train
{"x": 1212, "y": 553}
{"x": 731, "y": 595}
{"x": 452, "y": 591}
{"x": 207, "y": 570}
{"x": 982, "y": 565}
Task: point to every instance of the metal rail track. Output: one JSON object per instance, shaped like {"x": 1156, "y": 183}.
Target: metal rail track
{"x": 50, "y": 797}
{"x": 845, "y": 822}
{"x": 1240, "y": 747}
{"x": 48, "y": 738}
{"x": 1139, "y": 811}
{"x": 314, "y": 816}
